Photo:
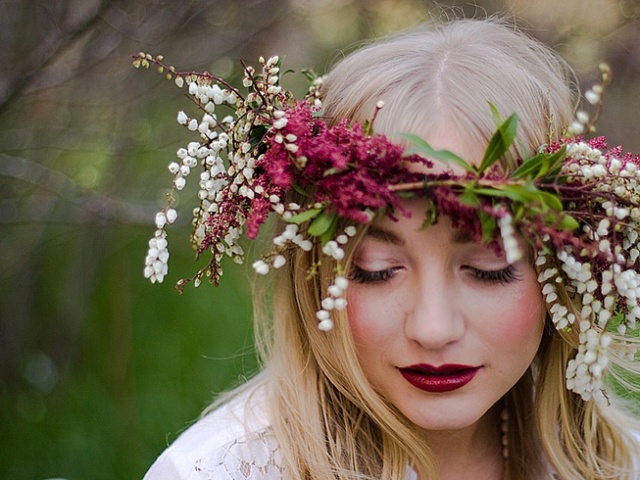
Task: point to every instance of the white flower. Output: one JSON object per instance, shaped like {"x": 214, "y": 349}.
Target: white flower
{"x": 279, "y": 261}
{"x": 306, "y": 245}
{"x": 182, "y": 118}
{"x": 280, "y": 123}
{"x": 328, "y": 303}
{"x": 341, "y": 282}
{"x": 340, "y": 303}
{"x": 576, "y": 128}
{"x": 326, "y": 325}
{"x": 334, "y": 291}
{"x": 582, "y": 117}
{"x": 592, "y": 97}
{"x": 350, "y": 230}
{"x": 180, "y": 182}
{"x": 161, "y": 219}
{"x": 261, "y": 267}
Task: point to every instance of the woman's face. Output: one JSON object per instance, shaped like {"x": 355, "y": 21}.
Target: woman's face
{"x": 443, "y": 326}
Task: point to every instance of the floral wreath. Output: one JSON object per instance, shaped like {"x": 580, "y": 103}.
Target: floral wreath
{"x": 576, "y": 202}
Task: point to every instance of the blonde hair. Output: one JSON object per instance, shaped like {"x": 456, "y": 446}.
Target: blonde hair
{"x": 328, "y": 420}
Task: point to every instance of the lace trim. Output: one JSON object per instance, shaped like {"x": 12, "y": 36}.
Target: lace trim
{"x": 253, "y": 457}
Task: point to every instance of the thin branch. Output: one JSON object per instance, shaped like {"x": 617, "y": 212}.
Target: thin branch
{"x": 50, "y": 49}
{"x": 98, "y": 205}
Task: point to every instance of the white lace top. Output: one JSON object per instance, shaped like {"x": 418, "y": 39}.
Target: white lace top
{"x": 233, "y": 442}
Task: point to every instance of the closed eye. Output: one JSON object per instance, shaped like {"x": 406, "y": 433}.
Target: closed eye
{"x": 502, "y": 276}
{"x": 360, "y": 275}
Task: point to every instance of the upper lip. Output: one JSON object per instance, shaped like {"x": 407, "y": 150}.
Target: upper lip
{"x": 444, "y": 369}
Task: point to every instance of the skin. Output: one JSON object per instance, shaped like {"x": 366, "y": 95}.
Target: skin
{"x": 433, "y": 296}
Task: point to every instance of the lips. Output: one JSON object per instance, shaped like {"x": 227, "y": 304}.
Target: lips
{"x": 441, "y": 379}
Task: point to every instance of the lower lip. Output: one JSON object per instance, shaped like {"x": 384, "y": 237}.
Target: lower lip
{"x": 439, "y": 383}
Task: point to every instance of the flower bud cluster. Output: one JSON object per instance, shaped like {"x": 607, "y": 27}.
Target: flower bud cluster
{"x": 585, "y": 372}
{"x": 583, "y": 123}
{"x": 334, "y": 301}
{"x": 599, "y": 269}
{"x": 226, "y": 156}
{"x": 157, "y": 260}
{"x": 509, "y": 240}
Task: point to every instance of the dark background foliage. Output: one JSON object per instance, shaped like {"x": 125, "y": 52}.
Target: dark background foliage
{"x": 98, "y": 369}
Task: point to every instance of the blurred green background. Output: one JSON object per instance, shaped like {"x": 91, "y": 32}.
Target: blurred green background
{"x": 100, "y": 370}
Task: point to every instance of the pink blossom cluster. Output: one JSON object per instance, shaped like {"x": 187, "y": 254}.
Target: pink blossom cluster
{"x": 338, "y": 165}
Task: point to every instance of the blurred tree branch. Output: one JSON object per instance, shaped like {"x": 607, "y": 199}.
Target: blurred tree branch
{"x": 57, "y": 41}
{"x": 93, "y": 203}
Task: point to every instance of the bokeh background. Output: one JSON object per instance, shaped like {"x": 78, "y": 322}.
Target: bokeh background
{"x": 100, "y": 370}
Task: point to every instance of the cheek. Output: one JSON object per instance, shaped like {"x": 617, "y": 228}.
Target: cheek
{"x": 357, "y": 313}
{"x": 523, "y": 318}
{"x": 370, "y": 320}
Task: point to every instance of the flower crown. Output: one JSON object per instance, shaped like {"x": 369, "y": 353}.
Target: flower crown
{"x": 577, "y": 203}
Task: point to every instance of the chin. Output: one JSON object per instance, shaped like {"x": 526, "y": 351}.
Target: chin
{"x": 446, "y": 414}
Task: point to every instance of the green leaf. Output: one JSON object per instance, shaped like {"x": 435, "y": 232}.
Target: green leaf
{"x": 530, "y": 166}
{"x": 422, "y": 147}
{"x": 549, "y": 200}
{"x": 430, "y": 215}
{"x": 497, "y": 118}
{"x": 500, "y": 142}
{"x": 300, "y": 190}
{"x": 257, "y": 134}
{"x": 305, "y": 216}
{"x": 516, "y": 193}
{"x": 554, "y": 163}
{"x": 367, "y": 128}
{"x": 540, "y": 165}
{"x": 321, "y": 223}
{"x": 567, "y": 222}
{"x": 469, "y": 197}
{"x": 330, "y": 232}
{"x": 488, "y": 226}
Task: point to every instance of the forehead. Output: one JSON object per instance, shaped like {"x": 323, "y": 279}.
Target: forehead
{"x": 395, "y": 236}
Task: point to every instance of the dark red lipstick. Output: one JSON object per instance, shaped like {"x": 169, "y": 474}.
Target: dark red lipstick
{"x": 444, "y": 378}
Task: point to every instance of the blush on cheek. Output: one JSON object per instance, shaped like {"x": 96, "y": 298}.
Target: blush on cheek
{"x": 370, "y": 321}
{"x": 356, "y": 321}
{"x": 524, "y": 321}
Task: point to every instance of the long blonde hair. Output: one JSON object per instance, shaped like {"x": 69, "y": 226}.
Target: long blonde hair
{"x": 328, "y": 420}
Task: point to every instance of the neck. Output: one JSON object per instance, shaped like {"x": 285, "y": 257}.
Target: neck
{"x": 473, "y": 452}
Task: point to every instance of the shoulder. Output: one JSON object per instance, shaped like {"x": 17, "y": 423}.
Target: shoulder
{"x": 233, "y": 441}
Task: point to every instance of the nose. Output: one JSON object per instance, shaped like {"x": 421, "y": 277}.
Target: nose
{"x": 435, "y": 316}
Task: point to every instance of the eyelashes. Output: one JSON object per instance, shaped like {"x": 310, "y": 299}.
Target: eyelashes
{"x": 502, "y": 276}
{"x": 359, "y": 275}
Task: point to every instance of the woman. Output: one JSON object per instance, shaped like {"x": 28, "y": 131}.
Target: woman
{"x": 442, "y": 351}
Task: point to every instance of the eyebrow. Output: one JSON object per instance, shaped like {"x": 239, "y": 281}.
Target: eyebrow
{"x": 461, "y": 236}
{"x": 384, "y": 235}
